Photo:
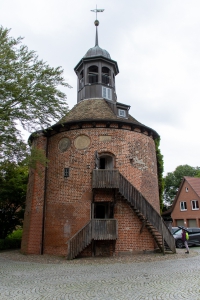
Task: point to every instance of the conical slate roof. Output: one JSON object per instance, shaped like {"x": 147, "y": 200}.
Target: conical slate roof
{"x": 94, "y": 109}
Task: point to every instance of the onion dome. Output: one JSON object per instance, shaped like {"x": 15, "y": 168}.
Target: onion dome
{"x": 97, "y": 51}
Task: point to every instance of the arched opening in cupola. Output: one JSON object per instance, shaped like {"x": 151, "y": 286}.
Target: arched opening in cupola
{"x": 93, "y": 74}
{"x": 105, "y": 75}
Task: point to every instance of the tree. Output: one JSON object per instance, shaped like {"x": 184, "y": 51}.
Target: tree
{"x": 173, "y": 180}
{"x": 13, "y": 185}
{"x": 29, "y": 94}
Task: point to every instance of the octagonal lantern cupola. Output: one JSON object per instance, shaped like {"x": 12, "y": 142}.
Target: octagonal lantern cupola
{"x": 96, "y": 73}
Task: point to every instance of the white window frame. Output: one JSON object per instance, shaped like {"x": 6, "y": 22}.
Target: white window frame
{"x": 186, "y": 189}
{"x": 121, "y": 113}
{"x": 183, "y": 206}
{"x": 196, "y": 204}
{"x": 106, "y": 93}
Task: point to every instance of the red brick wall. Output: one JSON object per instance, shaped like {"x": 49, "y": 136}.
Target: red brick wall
{"x": 129, "y": 237}
{"x": 68, "y": 200}
{"x": 33, "y": 217}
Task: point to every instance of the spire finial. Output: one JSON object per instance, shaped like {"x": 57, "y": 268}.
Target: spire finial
{"x": 96, "y": 23}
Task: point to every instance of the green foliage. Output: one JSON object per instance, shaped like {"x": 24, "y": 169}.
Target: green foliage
{"x": 8, "y": 243}
{"x": 198, "y": 174}
{"x": 16, "y": 234}
{"x": 12, "y": 241}
{"x": 13, "y": 185}
{"x": 173, "y": 181}
{"x": 160, "y": 167}
{"x": 29, "y": 94}
{"x": 37, "y": 158}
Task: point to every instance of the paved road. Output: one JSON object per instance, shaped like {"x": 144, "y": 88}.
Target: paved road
{"x": 167, "y": 279}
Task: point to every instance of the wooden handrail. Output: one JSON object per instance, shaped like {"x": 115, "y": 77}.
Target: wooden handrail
{"x": 104, "y": 229}
{"x": 137, "y": 200}
{"x": 108, "y": 178}
{"x": 97, "y": 229}
{"x": 79, "y": 241}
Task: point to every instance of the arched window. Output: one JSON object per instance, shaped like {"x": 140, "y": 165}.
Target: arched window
{"x": 105, "y": 75}
{"x": 81, "y": 80}
{"x": 93, "y": 74}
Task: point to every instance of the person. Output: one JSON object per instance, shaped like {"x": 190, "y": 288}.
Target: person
{"x": 184, "y": 240}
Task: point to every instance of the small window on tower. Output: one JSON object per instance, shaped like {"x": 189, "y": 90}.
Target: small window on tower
{"x": 106, "y": 93}
{"x": 66, "y": 172}
{"x": 122, "y": 113}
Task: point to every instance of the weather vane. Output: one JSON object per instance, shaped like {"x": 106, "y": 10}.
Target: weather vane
{"x": 96, "y": 10}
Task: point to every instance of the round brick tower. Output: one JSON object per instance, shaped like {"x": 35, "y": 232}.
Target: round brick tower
{"x": 99, "y": 194}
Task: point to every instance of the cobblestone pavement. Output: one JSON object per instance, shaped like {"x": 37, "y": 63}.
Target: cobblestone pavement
{"x": 148, "y": 276}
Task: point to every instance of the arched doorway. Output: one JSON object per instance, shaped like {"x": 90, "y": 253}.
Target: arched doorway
{"x": 104, "y": 161}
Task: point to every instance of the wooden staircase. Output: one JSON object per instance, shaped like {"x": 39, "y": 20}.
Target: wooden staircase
{"x": 148, "y": 215}
{"x": 80, "y": 241}
{"x": 106, "y": 229}
{"x": 95, "y": 229}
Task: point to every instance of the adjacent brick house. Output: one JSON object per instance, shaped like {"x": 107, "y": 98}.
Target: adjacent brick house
{"x": 99, "y": 194}
{"x": 185, "y": 208}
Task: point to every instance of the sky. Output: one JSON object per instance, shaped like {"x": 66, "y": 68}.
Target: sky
{"x": 156, "y": 44}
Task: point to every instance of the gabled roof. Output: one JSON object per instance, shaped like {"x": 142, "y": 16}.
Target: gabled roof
{"x": 193, "y": 182}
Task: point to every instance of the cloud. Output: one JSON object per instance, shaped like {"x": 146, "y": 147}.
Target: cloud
{"x": 157, "y": 47}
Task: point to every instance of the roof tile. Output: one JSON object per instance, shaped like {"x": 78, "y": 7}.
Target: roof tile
{"x": 194, "y": 183}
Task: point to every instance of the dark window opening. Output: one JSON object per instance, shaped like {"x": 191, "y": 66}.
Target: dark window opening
{"x": 103, "y": 210}
{"x": 105, "y": 75}
{"x": 93, "y": 74}
{"x": 100, "y": 211}
{"x": 66, "y": 172}
{"x": 106, "y": 162}
{"x": 102, "y": 163}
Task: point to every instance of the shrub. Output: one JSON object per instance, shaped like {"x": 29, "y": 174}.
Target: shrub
{"x": 12, "y": 241}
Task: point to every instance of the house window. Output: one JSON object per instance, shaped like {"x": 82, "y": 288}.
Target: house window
{"x": 122, "y": 113}
{"x": 106, "y": 93}
{"x": 66, "y": 172}
{"x": 195, "y": 205}
{"x": 183, "y": 205}
{"x": 186, "y": 189}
